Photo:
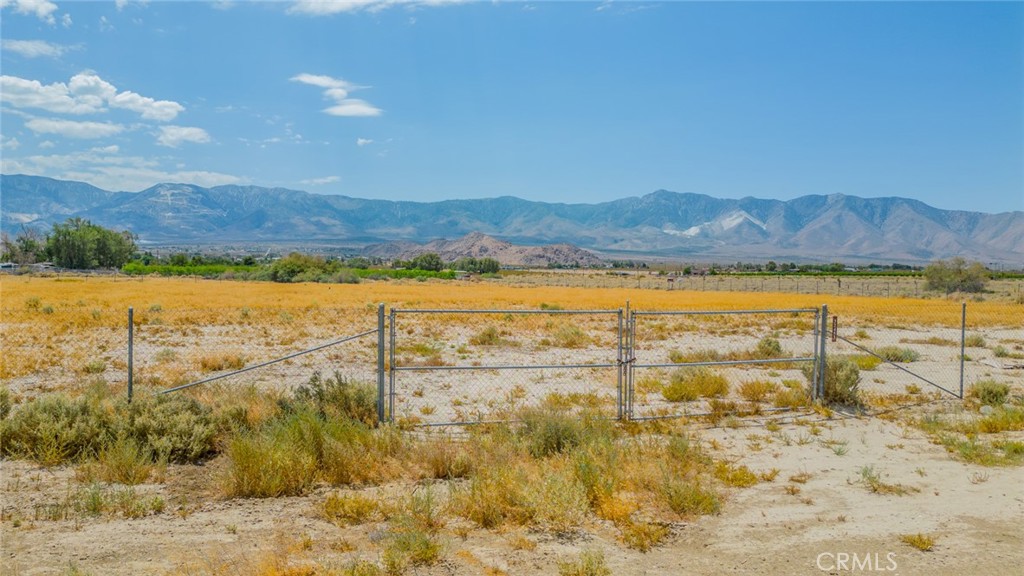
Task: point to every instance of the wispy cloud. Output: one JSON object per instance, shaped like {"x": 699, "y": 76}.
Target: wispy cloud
{"x": 107, "y": 168}
{"x": 34, "y": 48}
{"x": 363, "y": 141}
{"x": 337, "y": 90}
{"x": 42, "y": 9}
{"x": 9, "y": 143}
{"x": 321, "y": 181}
{"x": 174, "y": 136}
{"x": 86, "y": 93}
{"x": 73, "y": 128}
{"x": 328, "y": 7}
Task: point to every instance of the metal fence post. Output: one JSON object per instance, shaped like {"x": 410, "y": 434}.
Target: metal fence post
{"x": 622, "y": 368}
{"x": 131, "y": 350}
{"x": 380, "y": 363}
{"x": 823, "y": 362}
{"x": 391, "y": 367}
{"x": 816, "y": 364}
{"x": 963, "y": 344}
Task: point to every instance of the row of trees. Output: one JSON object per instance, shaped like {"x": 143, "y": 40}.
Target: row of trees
{"x": 431, "y": 261}
{"x": 79, "y": 244}
{"x": 75, "y": 243}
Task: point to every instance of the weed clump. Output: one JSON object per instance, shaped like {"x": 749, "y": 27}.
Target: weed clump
{"x": 337, "y": 397}
{"x": 897, "y": 354}
{"x": 687, "y": 384}
{"x": 842, "y": 380}
{"x": 989, "y": 392}
{"x": 55, "y": 429}
{"x": 589, "y": 563}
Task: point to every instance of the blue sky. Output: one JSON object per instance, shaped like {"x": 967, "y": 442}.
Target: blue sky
{"x": 562, "y": 102}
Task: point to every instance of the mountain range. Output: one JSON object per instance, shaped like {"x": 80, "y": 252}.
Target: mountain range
{"x": 661, "y": 224}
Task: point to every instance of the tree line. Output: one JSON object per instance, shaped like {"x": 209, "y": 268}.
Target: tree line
{"x": 75, "y": 243}
{"x": 81, "y": 245}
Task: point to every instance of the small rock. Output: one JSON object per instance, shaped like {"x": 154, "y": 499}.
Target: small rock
{"x": 986, "y": 410}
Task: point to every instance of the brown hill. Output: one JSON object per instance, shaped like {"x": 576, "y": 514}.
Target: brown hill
{"x": 477, "y": 245}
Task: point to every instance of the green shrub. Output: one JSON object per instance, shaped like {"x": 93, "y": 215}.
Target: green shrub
{"x": 768, "y": 347}
{"x": 337, "y": 397}
{"x": 690, "y": 383}
{"x": 267, "y": 465}
{"x": 548, "y": 432}
{"x": 688, "y": 497}
{"x": 897, "y": 354}
{"x": 569, "y": 336}
{"x": 842, "y": 379}
{"x": 989, "y": 392}
{"x": 5, "y": 403}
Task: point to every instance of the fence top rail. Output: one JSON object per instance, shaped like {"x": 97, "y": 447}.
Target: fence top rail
{"x": 723, "y": 312}
{"x": 469, "y": 311}
{"x": 412, "y": 368}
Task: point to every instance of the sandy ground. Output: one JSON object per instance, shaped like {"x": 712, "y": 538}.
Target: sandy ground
{"x": 973, "y": 512}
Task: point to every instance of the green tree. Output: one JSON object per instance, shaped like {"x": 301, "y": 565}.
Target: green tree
{"x": 956, "y": 275}
{"x": 78, "y": 243}
{"x": 28, "y": 247}
{"x": 427, "y": 261}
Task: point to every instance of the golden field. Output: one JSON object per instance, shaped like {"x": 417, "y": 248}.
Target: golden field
{"x": 113, "y": 296}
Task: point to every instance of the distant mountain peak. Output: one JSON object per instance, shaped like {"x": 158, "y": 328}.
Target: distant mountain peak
{"x": 662, "y": 223}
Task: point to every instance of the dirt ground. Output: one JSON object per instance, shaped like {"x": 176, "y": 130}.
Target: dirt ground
{"x": 829, "y": 522}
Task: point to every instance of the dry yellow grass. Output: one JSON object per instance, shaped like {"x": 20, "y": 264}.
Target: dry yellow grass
{"x": 110, "y": 297}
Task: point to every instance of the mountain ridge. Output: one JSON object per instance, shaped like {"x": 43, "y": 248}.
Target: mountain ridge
{"x": 659, "y": 224}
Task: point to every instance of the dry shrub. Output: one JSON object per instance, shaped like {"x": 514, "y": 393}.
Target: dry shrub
{"x": 989, "y": 392}
{"x": 643, "y": 536}
{"x": 757, "y": 390}
{"x": 218, "y": 361}
{"x": 53, "y": 429}
{"x": 349, "y": 509}
{"x": 446, "y": 459}
{"x": 588, "y": 563}
{"x": 689, "y": 497}
{"x": 569, "y": 336}
{"x": 737, "y": 476}
{"x": 687, "y": 384}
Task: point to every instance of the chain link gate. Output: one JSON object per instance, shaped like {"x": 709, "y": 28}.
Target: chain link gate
{"x": 506, "y": 360}
{"x": 702, "y": 362}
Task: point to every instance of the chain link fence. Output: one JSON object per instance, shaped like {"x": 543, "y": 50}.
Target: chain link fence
{"x": 462, "y": 366}
{"x": 686, "y": 363}
{"x": 465, "y": 366}
{"x": 938, "y": 351}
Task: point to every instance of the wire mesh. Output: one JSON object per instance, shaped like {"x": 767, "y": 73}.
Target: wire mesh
{"x": 914, "y": 358}
{"x": 720, "y": 363}
{"x": 464, "y": 366}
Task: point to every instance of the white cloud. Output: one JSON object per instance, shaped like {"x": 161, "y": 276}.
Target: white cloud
{"x": 9, "y": 143}
{"x": 86, "y": 93}
{"x": 66, "y": 20}
{"x": 363, "y": 141}
{"x": 353, "y": 107}
{"x": 73, "y": 129}
{"x": 337, "y": 90}
{"x": 46, "y": 145}
{"x": 148, "y": 108}
{"x": 328, "y": 7}
{"x": 34, "y": 48}
{"x": 321, "y": 181}
{"x": 174, "y": 136}
{"x": 104, "y": 167}
{"x": 43, "y": 9}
